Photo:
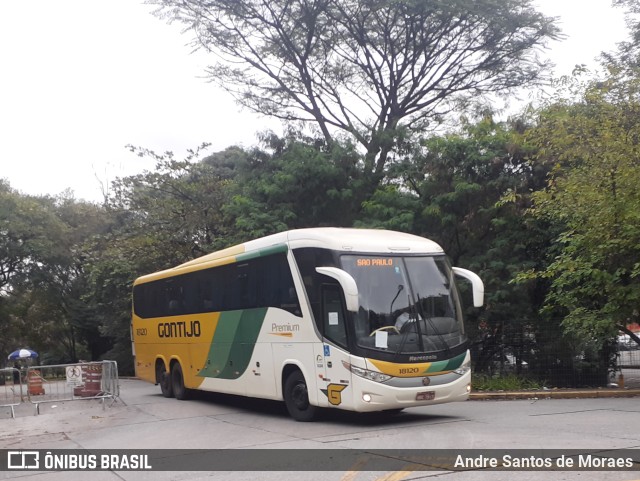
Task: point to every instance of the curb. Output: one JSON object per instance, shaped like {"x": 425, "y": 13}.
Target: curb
{"x": 554, "y": 394}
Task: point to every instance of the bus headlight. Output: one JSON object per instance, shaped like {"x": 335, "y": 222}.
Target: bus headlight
{"x": 465, "y": 368}
{"x": 365, "y": 373}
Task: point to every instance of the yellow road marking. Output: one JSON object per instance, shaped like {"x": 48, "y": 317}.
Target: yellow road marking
{"x": 395, "y": 476}
{"x": 398, "y": 475}
{"x": 355, "y": 469}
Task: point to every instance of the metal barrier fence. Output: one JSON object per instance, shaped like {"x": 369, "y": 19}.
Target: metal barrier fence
{"x": 71, "y": 382}
{"x": 629, "y": 359}
{"x": 11, "y": 394}
{"x": 543, "y": 355}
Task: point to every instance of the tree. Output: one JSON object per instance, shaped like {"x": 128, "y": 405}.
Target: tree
{"x": 626, "y": 58}
{"x": 373, "y": 69}
{"x": 44, "y": 275}
{"x": 294, "y": 183}
{"x": 179, "y": 202}
{"x": 30, "y": 241}
{"x": 153, "y": 221}
{"x": 29, "y": 234}
{"x": 76, "y": 327}
{"x": 594, "y": 147}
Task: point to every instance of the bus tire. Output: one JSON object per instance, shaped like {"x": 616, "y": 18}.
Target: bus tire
{"x": 296, "y": 398}
{"x": 177, "y": 382}
{"x": 164, "y": 379}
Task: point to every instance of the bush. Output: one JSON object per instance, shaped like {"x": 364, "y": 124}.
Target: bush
{"x": 510, "y": 382}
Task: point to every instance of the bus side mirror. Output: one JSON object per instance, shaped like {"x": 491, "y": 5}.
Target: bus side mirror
{"x": 348, "y": 284}
{"x": 476, "y": 284}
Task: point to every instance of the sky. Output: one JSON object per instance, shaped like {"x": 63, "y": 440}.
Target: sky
{"x": 81, "y": 79}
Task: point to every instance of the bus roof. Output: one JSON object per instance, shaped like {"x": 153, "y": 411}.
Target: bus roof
{"x": 361, "y": 240}
{"x": 334, "y": 238}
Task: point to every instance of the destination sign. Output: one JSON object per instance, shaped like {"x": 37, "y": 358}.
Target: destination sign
{"x": 374, "y": 262}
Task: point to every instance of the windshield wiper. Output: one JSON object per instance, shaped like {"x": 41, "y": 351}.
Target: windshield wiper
{"x": 413, "y": 317}
{"x": 431, "y": 323}
{"x": 400, "y": 289}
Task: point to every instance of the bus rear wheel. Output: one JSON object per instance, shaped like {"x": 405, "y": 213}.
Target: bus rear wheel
{"x": 296, "y": 398}
{"x": 177, "y": 382}
{"x": 164, "y": 379}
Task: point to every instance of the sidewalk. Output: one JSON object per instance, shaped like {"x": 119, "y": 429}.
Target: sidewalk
{"x": 631, "y": 389}
{"x": 554, "y": 394}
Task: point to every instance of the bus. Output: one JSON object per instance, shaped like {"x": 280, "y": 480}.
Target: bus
{"x": 355, "y": 319}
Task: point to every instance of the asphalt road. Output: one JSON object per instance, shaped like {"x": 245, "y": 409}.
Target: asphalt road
{"x": 143, "y": 419}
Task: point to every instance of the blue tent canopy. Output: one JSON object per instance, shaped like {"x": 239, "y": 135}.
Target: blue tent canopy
{"x": 23, "y": 354}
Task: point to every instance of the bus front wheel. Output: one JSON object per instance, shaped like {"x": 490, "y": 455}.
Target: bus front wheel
{"x": 296, "y": 398}
{"x": 177, "y": 382}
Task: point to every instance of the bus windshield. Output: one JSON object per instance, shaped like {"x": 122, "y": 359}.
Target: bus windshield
{"x": 407, "y": 304}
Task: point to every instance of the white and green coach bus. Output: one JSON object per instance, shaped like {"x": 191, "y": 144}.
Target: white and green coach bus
{"x": 355, "y": 319}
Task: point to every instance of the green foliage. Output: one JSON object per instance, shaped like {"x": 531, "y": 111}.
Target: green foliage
{"x": 510, "y": 382}
{"x": 295, "y": 185}
{"x": 180, "y": 201}
{"x": 29, "y": 234}
{"x": 592, "y": 195}
{"x": 390, "y": 208}
{"x": 45, "y": 278}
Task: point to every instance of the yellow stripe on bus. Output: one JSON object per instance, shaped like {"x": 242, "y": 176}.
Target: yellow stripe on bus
{"x": 401, "y": 370}
{"x": 226, "y": 256}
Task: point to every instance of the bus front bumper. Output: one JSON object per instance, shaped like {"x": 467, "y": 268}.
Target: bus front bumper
{"x": 369, "y": 396}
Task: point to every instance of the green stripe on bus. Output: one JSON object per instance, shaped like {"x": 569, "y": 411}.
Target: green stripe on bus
{"x": 233, "y": 343}
{"x": 437, "y": 366}
{"x": 448, "y": 365}
{"x": 455, "y": 363}
{"x": 267, "y": 251}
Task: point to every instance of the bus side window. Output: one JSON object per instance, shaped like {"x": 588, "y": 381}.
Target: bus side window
{"x": 174, "y": 297}
{"x": 333, "y": 315}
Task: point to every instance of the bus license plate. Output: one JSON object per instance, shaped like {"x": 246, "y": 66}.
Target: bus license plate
{"x": 426, "y": 396}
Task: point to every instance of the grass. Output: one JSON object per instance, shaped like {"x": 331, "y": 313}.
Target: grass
{"x": 510, "y": 382}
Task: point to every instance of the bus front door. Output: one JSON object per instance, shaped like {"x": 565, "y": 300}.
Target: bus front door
{"x": 330, "y": 363}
